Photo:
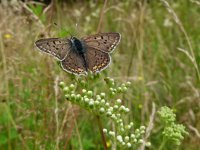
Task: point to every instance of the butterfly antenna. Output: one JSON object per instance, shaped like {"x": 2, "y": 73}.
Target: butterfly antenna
{"x": 77, "y": 29}
{"x": 71, "y": 36}
{"x": 59, "y": 27}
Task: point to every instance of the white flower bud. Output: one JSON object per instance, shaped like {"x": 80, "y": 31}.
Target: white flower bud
{"x": 110, "y": 109}
{"x": 131, "y": 124}
{"x": 105, "y": 130}
{"x": 124, "y": 88}
{"x": 78, "y": 96}
{"x": 123, "y": 85}
{"x": 98, "y": 97}
{"x": 113, "y": 117}
{"x": 67, "y": 96}
{"x": 71, "y": 86}
{"x": 102, "y": 110}
{"x": 119, "y": 101}
{"x": 137, "y": 131}
{"x": 148, "y": 144}
{"x": 128, "y": 127}
{"x": 119, "y": 138}
{"x": 116, "y": 107}
{"x": 96, "y": 103}
{"x": 84, "y": 91}
{"x": 109, "y": 113}
{"x": 89, "y": 93}
{"x": 133, "y": 136}
{"x": 112, "y": 133}
{"x": 103, "y": 101}
{"x": 107, "y": 104}
{"x": 118, "y": 115}
{"x": 142, "y": 127}
{"x": 61, "y": 83}
{"x": 66, "y": 89}
{"x": 122, "y": 129}
{"x": 113, "y": 93}
{"x": 127, "y": 110}
{"x": 141, "y": 141}
{"x": 128, "y": 145}
{"x": 126, "y": 139}
{"x": 86, "y": 100}
{"x": 73, "y": 95}
{"x": 122, "y": 108}
{"x": 119, "y": 89}
{"x": 128, "y": 83}
{"x": 91, "y": 103}
{"x": 102, "y": 95}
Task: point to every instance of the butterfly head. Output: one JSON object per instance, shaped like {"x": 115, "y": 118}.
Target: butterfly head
{"x": 73, "y": 39}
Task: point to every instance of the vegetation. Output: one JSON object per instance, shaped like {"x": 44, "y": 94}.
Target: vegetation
{"x": 148, "y": 98}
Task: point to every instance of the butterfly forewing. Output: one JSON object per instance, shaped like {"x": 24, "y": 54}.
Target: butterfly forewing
{"x": 73, "y": 63}
{"x": 55, "y": 46}
{"x": 103, "y": 41}
{"x": 97, "y": 60}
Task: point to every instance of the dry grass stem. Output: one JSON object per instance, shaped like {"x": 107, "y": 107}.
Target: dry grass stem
{"x": 177, "y": 20}
{"x": 149, "y": 127}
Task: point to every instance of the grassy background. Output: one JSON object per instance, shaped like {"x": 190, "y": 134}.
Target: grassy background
{"x": 147, "y": 56}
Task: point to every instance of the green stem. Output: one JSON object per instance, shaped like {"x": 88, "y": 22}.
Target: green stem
{"x": 101, "y": 131}
{"x": 162, "y": 144}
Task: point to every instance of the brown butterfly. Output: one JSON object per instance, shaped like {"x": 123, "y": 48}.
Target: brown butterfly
{"x": 78, "y": 56}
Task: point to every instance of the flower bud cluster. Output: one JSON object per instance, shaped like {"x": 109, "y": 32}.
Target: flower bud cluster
{"x": 125, "y": 138}
{"x": 172, "y": 131}
{"x": 167, "y": 115}
{"x": 97, "y": 104}
{"x": 94, "y": 103}
{"x": 115, "y": 89}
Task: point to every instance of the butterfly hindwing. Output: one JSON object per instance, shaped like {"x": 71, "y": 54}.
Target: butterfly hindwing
{"x": 103, "y": 41}
{"x": 97, "y": 60}
{"x": 55, "y": 46}
{"x": 73, "y": 63}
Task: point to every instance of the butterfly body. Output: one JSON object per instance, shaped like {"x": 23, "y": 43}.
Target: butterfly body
{"x": 78, "y": 45}
{"x": 78, "y": 56}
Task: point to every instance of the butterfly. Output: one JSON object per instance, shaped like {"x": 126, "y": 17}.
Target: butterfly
{"x": 79, "y": 56}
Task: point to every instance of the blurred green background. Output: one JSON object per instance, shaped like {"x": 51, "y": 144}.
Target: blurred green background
{"x": 159, "y": 54}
